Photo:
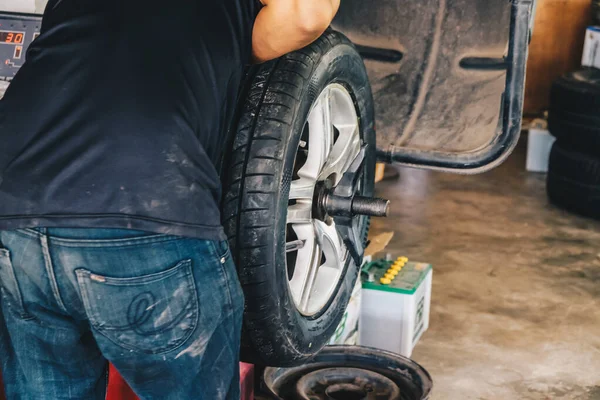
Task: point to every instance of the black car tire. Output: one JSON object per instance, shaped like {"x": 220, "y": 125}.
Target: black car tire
{"x": 574, "y": 180}
{"x": 574, "y": 115}
{"x": 596, "y": 12}
{"x": 278, "y": 98}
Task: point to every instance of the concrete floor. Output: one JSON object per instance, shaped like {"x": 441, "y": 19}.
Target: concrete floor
{"x": 516, "y": 293}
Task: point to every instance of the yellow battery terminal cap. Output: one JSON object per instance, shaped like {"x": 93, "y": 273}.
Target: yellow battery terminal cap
{"x": 385, "y": 281}
{"x": 389, "y": 276}
{"x": 392, "y": 272}
{"x": 404, "y": 259}
{"x": 397, "y": 267}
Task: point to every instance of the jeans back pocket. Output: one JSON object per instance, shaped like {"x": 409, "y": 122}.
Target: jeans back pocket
{"x": 9, "y": 285}
{"x": 153, "y": 313}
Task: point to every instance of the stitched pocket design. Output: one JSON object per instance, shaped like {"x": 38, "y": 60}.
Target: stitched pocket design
{"x": 153, "y": 313}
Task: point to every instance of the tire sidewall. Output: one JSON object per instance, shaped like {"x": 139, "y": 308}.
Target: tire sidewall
{"x": 573, "y": 180}
{"x": 574, "y": 109}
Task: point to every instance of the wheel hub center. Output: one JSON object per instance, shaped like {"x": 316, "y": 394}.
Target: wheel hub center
{"x": 328, "y": 204}
{"x": 322, "y": 191}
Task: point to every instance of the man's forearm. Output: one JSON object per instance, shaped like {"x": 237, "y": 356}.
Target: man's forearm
{"x": 283, "y": 26}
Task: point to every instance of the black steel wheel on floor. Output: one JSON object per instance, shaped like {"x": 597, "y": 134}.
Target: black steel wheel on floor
{"x": 574, "y": 115}
{"x": 574, "y": 180}
{"x": 351, "y": 372}
{"x": 306, "y": 126}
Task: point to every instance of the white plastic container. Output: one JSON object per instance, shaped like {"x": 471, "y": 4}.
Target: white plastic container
{"x": 591, "y": 48}
{"x": 539, "y": 145}
{"x": 19, "y": 6}
{"x": 395, "y": 315}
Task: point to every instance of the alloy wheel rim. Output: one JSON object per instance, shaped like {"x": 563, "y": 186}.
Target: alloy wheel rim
{"x": 316, "y": 254}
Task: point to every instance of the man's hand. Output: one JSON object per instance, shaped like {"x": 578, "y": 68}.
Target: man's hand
{"x": 283, "y": 26}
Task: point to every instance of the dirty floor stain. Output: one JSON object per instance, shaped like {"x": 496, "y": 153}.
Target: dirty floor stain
{"x": 516, "y": 293}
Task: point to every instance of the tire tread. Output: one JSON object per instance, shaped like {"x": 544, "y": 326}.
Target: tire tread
{"x": 261, "y": 135}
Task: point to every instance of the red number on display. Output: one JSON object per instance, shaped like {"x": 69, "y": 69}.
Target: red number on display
{"x": 12, "y": 37}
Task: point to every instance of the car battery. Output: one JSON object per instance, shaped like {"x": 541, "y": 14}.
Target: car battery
{"x": 395, "y": 304}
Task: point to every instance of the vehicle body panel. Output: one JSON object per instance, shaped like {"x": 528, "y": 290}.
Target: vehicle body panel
{"x": 447, "y": 76}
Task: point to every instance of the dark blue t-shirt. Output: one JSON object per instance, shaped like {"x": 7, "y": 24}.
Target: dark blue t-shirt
{"x": 118, "y": 117}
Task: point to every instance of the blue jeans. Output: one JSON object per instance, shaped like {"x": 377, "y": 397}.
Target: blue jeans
{"x": 166, "y": 311}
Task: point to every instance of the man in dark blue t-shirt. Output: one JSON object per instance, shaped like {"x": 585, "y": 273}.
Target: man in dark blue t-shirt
{"x": 111, "y": 247}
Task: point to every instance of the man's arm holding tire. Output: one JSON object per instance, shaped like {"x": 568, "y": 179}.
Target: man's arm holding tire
{"x": 283, "y": 26}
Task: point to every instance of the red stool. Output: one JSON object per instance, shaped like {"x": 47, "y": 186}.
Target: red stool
{"x": 117, "y": 387}
{"x": 119, "y": 390}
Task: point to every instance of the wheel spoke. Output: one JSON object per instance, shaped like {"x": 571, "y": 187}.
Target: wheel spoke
{"x": 320, "y": 128}
{"x": 347, "y": 145}
{"x": 306, "y": 262}
{"x": 325, "y": 282}
{"x": 332, "y": 245}
{"x": 302, "y": 188}
{"x": 300, "y": 213}
{"x": 344, "y": 151}
{"x": 322, "y": 278}
{"x": 311, "y": 280}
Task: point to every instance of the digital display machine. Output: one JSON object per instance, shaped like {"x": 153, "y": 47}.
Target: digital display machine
{"x": 17, "y": 32}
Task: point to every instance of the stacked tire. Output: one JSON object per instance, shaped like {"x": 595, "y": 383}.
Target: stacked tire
{"x": 574, "y": 119}
{"x": 596, "y": 12}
